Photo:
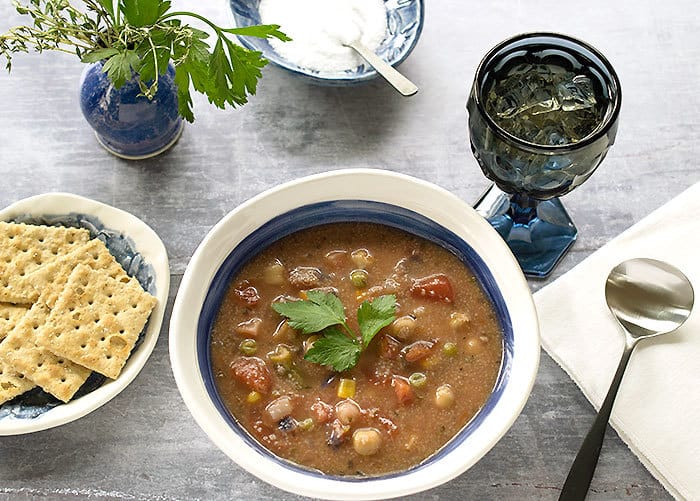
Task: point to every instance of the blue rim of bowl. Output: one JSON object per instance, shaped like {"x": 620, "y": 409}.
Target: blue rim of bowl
{"x": 334, "y": 81}
{"x": 348, "y": 211}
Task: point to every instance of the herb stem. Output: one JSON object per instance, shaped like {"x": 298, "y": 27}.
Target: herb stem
{"x": 206, "y": 21}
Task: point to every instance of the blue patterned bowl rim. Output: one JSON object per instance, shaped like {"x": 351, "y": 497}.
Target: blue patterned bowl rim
{"x": 242, "y": 18}
{"x": 361, "y": 195}
{"x": 337, "y": 211}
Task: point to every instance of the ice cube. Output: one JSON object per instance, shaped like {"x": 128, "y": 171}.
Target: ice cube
{"x": 528, "y": 89}
{"x": 576, "y": 93}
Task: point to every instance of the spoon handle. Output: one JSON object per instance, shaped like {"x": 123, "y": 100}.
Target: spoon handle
{"x": 396, "y": 79}
{"x": 581, "y": 472}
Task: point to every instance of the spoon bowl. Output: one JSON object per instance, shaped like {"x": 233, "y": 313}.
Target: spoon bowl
{"x": 636, "y": 288}
{"x": 648, "y": 298}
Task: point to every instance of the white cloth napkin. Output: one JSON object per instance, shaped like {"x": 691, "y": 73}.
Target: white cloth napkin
{"x": 657, "y": 410}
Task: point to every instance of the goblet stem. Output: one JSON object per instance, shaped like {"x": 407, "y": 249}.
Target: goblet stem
{"x": 539, "y": 232}
{"x": 523, "y": 209}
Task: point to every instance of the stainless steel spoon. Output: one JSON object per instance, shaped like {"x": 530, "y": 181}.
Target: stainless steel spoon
{"x": 391, "y": 75}
{"x": 648, "y": 298}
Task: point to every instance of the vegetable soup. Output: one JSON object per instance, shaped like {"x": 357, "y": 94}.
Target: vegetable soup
{"x": 355, "y": 348}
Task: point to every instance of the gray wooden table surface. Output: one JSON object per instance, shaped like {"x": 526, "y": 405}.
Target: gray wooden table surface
{"x": 144, "y": 444}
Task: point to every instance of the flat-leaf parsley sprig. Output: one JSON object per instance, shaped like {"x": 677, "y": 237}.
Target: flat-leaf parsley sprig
{"x": 339, "y": 346}
{"x": 141, "y": 37}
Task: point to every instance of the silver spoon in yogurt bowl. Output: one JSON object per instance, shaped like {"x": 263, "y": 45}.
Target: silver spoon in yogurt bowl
{"x": 390, "y": 74}
{"x": 648, "y": 298}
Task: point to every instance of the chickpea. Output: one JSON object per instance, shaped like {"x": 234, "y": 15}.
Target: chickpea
{"x": 403, "y": 327}
{"x": 366, "y": 441}
{"x": 459, "y": 321}
{"x": 275, "y": 274}
{"x": 475, "y": 345}
{"x": 347, "y": 411}
{"x": 444, "y": 396}
{"x": 362, "y": 258}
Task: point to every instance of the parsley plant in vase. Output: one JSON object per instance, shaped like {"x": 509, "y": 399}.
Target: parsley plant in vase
{"x": 144, "y": 59}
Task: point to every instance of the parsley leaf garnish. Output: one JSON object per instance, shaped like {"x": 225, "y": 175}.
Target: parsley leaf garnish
{"x": 321, "y": 310}
{"x": 374, "y": 316}
{"x": 324, "y": 313}
{"x": 335, "y": 349}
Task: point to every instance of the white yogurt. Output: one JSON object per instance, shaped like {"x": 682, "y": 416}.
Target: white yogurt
{"x": 320, "y": 28}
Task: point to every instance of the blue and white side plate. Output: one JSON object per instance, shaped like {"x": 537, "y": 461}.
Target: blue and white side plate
{"x": 141, "y": 253}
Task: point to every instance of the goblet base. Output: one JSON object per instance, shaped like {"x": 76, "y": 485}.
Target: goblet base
{"x": 539, "y": 232}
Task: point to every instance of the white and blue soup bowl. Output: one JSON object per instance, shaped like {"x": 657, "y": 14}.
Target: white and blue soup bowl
{"x": 404, "y": 26}
{"x": 367, "y": 195}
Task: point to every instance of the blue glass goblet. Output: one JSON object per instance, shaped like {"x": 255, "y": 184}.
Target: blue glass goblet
{"x": 543, "y": 111}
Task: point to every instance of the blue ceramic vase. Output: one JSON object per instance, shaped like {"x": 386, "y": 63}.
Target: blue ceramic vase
{"x": 129, "y": 125}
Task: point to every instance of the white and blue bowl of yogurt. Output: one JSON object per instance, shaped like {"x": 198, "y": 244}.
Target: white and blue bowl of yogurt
{"x": 391, "y": 28}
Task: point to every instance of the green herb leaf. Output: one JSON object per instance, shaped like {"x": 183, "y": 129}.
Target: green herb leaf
{"x": 184, "y": 99}
{"x": 375, "y": 315}
{"x": 220, "y": 74}
{"x": 119, "y": 67}
{"x": 141, "y": 13}
{"x": 108, "y": 5}
{"x": 99, "y": 55}
{"x": 259, "y": 31}
{"x": 335, "y": 349}
{"x": 321, "y": 310}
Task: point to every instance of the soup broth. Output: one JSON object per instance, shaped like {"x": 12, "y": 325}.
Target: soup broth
{"x": 420, "y": 380}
